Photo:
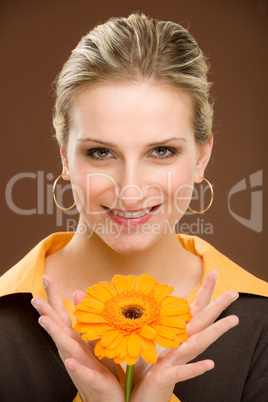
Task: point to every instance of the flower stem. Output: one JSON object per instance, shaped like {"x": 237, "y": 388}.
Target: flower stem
{"x": 128, "y": 382}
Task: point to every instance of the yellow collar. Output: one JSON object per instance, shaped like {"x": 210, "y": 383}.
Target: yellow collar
{"x": 26, "y": 275}
{"x": 230, "y": 275}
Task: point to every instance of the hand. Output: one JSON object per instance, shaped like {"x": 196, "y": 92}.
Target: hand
{"x": 157, "y": 382}
{"x": 94, "y": 381}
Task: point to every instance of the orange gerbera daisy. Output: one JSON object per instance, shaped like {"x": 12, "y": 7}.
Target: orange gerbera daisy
{"x": 129, "y": 315}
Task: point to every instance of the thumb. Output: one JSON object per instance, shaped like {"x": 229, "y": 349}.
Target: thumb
{"x": 78, "y": 296}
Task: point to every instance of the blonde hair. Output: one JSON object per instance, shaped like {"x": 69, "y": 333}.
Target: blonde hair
{"x": 136, "y": 49}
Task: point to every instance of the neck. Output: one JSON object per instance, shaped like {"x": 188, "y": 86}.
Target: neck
{"x": 90, "y": 260}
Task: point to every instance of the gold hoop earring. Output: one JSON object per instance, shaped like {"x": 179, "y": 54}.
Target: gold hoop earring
{"x": 54, "y": 194}
{"x": 211, "y": 198}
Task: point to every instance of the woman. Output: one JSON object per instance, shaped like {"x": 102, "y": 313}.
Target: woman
{"x": 133, "y": 120}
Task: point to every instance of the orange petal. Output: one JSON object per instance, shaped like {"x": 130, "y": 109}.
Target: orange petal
{"x": 110, "y": 353}
{"x": 177, "y": 331}
{"x": 186, "y": 317}
{"x": 161, "y": 293}
{"x": 97, "y": 304}
{"x": 92, "y": 318}
{"x": 93, "y": 293}
{"x": 90, "y": 335}
{"x": 109, "y": 287}
{"x": 86, "y": 337}
{"x": 164, "y": 331}
{"x": 135, "y": 284}
{"x": 167, "y": 343}
{"x": 130, "y": 280}
{"x": 85, "y": 326}
{"x": 134, "y": 346}
{"x": 177, "y": 310}
{"x": 173, "y": 322}
{"x": 79, "y": 313}
{"x": 102, "y": 291}
{"x": 131, "y": 360}
{"x": 118, "y": 360}
{"x": 109, "y": 337}
{"x": 150, "y": 353}
{"x": 147, "y": 332}
{"x": 121, "y": 349}
{"x": 82, "y": 327}
{"x": 173, "y": 300}
{"x": 144, "y": 342}
{"x": 182, "y": 337}
{"x": 116, "y": 342}
{"x": 99, "y": 351}
{"x": 158, "y": 287}
{"x": 120, "y": 286}
{"x": 146, "y": 283}
{"x": 91, "y": 332}
{"x": 119, "y": 278}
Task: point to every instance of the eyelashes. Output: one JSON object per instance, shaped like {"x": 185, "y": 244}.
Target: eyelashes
{"x": 164, "y": 152}
{"x": 99, "y": 153}
{"x": 160, "y": 152}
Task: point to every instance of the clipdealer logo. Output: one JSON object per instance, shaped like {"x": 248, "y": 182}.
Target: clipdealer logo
{"x": 256, "y": 200}
{"x": 45, "y": 203}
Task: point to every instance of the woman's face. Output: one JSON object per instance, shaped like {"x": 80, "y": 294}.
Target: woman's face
{"x": 132, "y": 160}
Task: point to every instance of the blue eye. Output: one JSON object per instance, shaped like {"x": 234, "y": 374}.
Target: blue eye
{"x": 99, "y": 153}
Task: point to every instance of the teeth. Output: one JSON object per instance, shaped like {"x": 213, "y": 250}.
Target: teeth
{"x": 132, "y": 214}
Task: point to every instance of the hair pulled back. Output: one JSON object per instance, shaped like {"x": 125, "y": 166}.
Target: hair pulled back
{"x": 136, "y": 49}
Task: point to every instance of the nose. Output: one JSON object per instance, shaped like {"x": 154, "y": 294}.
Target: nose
{"x": 132, "y": 187}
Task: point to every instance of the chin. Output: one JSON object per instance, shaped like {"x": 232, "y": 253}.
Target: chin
{"x": 131, "y": 245}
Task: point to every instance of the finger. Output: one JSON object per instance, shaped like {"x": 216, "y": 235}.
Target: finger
{"x": 78, "y": 296}
{"x": 80, "y": 374}
{"x": 196, "y": 344}
{"x": 63, "y": 340}
{"x": 172, "y": 375}
{"x": 68, "y": 345}
{"x": 44, "y": 308}
{"x": 204, "y": 294}
{"x": 210, "y": 313}
{"x": 100, "y": 385}
{"x": 55, "y": 300}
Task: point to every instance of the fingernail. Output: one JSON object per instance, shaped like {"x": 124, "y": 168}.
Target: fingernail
{"x": 41, "y": 323}
{"x": 215, "y": 276}
{"x": 67, "y": 364}
{"x": 235, "y": 295}
{"x": 44, "y": 282}
{"x": 35, "y": 305}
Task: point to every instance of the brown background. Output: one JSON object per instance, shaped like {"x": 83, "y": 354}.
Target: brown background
{"x": 37, "y": 37}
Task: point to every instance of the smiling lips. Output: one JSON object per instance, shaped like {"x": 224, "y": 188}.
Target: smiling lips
{"x": 133, "y": 218}
{"x": 131, "y": 215}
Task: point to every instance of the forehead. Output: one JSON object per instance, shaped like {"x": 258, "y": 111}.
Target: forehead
{"x": 138, "y": 108}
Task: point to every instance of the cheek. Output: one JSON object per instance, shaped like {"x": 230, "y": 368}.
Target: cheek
{"x": 182, "y": 197}
{"x": 180, "y": 186}
{"x": 94, "y": 188}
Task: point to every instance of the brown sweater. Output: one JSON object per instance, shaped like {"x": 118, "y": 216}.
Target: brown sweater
{"x": 31, "y": 369}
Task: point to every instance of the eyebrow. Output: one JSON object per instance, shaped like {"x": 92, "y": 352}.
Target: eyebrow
{"x": 110, "y": 144}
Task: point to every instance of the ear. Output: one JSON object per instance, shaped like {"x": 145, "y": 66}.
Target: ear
{"x": 204, "y": 153}
{"x": 65, "y": 163}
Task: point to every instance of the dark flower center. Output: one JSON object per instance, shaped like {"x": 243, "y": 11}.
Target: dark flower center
{"x": 132, "y": 312}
